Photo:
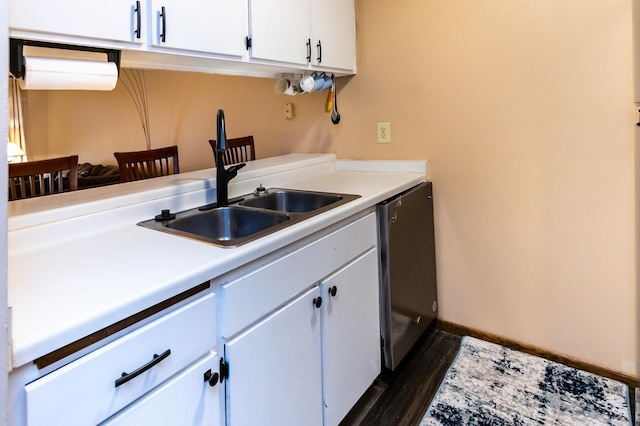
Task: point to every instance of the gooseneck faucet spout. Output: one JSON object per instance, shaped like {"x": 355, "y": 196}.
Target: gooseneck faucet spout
{"x": 221, "y": 132}
{"x": 223, "y": 176}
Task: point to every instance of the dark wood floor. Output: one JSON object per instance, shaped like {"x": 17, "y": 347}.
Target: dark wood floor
{"x": 401, "y": 397}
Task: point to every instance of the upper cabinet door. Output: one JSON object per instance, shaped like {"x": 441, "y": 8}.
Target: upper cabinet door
{"x": 280, "y": 30}
{"x": 115, "y": 20}
{"x": 212, "y": 26}
{"x": 334, "y": 34}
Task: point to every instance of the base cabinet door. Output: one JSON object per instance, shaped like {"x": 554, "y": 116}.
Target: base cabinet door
{"x": 350, "y": 335}
{"x": 275, "y": 373}
{"x": 188, "y": 399}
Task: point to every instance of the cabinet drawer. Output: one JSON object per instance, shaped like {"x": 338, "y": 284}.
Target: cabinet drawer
{"x": 187, "y": 399}
{"x": 261, "y": 291}
{"x": 85, "y": 392}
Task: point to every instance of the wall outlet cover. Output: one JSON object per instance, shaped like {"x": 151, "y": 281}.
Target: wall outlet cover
{"x": 287, "y": 110}
{"x": 384, "y": 132}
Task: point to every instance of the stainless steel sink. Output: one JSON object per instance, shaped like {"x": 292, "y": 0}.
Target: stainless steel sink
{"x": 250, "y": 218}
{"x": 223, "y": 226}
{"x": 292, "y": 201}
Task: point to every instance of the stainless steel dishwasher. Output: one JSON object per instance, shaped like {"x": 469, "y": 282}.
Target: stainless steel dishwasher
{"x": 408, "y": 294}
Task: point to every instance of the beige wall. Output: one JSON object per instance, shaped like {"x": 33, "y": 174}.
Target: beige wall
{"x": 182, "y": 111}
{"x": 524, "y": 111}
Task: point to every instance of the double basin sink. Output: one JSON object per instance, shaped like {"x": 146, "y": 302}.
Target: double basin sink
{"x": 247, "y": 218}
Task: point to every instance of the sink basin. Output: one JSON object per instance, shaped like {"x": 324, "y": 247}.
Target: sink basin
{"x": 224, "y": 226}
{"x": 293, "y": 201}
{"x": 252, "y": 218}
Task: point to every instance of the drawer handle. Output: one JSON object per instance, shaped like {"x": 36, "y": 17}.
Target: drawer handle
{"x": 333, "y": 291}
{"x": 156, "y": 360}
{"x": 317, "y": 301}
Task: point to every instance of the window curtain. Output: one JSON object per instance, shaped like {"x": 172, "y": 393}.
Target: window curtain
{"x": 16, "y": 126}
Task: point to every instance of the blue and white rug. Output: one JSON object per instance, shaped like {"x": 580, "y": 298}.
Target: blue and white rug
{"x": 491, "y": 385}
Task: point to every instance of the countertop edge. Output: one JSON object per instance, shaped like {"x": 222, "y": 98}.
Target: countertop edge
{"x": 35, "y": 343}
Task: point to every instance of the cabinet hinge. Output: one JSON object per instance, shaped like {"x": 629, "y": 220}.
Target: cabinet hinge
{"x": 247, "y": 42}
{"x": 224, "y": 370}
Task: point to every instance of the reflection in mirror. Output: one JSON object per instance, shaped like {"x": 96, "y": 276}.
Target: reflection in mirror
{"x": 156, "y": 108}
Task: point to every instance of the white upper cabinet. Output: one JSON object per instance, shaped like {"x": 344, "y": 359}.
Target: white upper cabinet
{"x": 333, "y": 29}
{"x": 245, "y": 37}
{"x": 320, "y": 33}
{"x": 213, "y": 26}
{"x": 113, "y": 21}
{"x": 280, "y": 31}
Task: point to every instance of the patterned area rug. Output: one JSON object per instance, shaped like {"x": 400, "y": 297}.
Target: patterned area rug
{"x": 491, "y": 385}
{"x": 637, "y": 406}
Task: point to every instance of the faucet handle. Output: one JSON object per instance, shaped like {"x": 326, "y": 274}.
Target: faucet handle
{"x": 232, "y": 171}
{"x": 236, "y": 167}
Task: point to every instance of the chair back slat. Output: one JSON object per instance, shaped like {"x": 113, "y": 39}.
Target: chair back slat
{"x": 239, "y": 150}
{"x": 42, "y": 177}
{"x": 138, "y": 165}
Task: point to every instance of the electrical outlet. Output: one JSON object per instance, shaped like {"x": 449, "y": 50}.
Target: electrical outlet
{"x": 384, "y": 132}
{"x": 287, "y": 110}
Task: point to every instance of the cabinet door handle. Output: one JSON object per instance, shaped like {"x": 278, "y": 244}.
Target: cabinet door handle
{"x": 308, "y": 50}
{"x": 138, "y": 19}
{"x": 317, "y": 301}
{"x": 135, "y": 373}
{"x": 319, "y": 47}
{"x": 333, "y": 290}
{"x": 211, "y": 378}
{"x": 163, "y": 15}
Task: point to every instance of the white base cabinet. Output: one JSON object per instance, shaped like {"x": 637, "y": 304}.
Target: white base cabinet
{"x": 306, "y": 357}
{"x": 99, "y": 384}
{"x": 274, "y": 371}
{"x": 350, "y": 335}
{"x": 291, "y": 338}
{"x": 188, "y": 399}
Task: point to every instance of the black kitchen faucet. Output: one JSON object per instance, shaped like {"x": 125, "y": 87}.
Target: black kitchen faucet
{"x": 223, "y": 176}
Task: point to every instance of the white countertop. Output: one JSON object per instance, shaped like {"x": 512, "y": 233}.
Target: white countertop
{"x": 78, "y": 262}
